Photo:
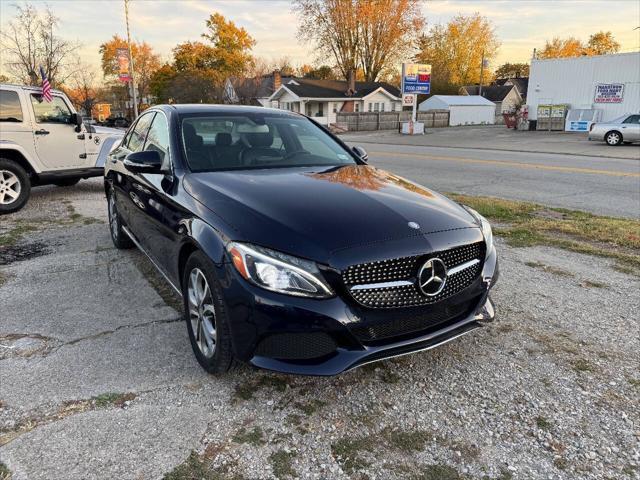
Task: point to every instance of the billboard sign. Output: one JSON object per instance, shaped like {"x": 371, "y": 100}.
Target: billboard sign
{"x": 408, "y": 99}
{"x": 122, "y": 56}
{"x": 609, "y": 93}
{"x": 416, "y": 78}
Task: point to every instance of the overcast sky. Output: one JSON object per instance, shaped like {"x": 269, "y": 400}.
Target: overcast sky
{"x": 520, "y": 25}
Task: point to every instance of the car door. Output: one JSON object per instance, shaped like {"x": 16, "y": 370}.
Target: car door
{"x": 127, "y": 197}
{"x": 162, "y": 215}
{"x": 58, "y": 145}
{"x": 631, "y": 128}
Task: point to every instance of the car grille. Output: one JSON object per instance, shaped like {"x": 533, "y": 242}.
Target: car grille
{"x": 406, "y": 269}
{"x": 412, "y": 322}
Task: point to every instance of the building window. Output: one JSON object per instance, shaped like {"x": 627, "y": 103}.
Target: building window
{"x": 335, "y": 108}
{"x": 357, "y": 107}
{"x": 393, "y": 106}
{"x": 382, "y": 107}
{"x": 376, "y": 107}
{"x": 370, "y": 107}
{"x": 320, "y": 109}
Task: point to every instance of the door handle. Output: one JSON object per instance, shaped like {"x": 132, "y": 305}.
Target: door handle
{"x": 42, "y": 131}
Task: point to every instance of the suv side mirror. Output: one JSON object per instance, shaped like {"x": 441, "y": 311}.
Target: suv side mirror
{"x": 361, "y": 152}
{"x": 148, "y": 161}
{"x": 76, "y": 120}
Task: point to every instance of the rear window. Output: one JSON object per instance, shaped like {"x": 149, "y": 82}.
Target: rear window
{"x": 10, "y": 109}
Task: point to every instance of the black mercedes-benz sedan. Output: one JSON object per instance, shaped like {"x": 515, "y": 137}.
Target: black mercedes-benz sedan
{"x": 289, "y": 251}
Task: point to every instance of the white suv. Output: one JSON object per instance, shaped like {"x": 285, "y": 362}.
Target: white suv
{"x": 45, "y": 143}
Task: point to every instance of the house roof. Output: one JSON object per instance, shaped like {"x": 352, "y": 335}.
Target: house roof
{"x": 258, "y": 87}
{"x": 494, "y": 93}
{"x": 458, "y": 100}
{"x": 521, "y": 83}
{"x": 312, "y": 88}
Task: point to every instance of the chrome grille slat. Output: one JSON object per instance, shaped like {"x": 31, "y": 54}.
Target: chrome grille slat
{"x": 405, "y": 269}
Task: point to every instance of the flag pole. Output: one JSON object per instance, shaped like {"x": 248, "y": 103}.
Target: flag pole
{"x": 131, "y": 66}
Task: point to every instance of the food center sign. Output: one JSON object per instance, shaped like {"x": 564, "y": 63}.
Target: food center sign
{"x": 416, "y": 78}
{"x": 609, "y": 93}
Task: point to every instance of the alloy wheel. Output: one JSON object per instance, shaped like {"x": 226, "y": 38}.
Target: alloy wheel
{"x": 113, "y": 216}
{"x": 613, "y": 138}
{"x": 202, "y": 314}
{"x": 10, "y": 187}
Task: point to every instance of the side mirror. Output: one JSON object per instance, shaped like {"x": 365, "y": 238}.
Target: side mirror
{"x": 76, "y": 120}
{"x": 148, "y": 161}
{"x": 361, "y": 152}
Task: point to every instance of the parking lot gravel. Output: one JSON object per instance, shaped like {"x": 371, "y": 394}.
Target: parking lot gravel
{"x": 98, "y": 381}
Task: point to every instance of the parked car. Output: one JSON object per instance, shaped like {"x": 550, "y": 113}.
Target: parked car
{"x": 45, "y": 143}
{"x": 289, "y": 251}
{"x": 624, "y": 129}
{"x": 116, "y": 122}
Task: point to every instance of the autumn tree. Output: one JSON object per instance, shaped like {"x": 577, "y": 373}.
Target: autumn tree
{"x": 455, "y": 51}
{"x": 323, "y": 72}
{"x": 231, "y": 46}
{"x": 30, "y": 41}
{"x": 372, "y": 35}
{"x": 602, "y": 43}
{"x": 510, "y": 70}
{"x": 4, "y": 79}
{"x": 562, "y": 47}
{"x": 145, "y": 63}
{"x": 82, "y": 89}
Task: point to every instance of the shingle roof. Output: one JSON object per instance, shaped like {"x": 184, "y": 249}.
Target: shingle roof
{"x": 522, "y": 84}
{"x": 311, "y": 88}
{"x": 494, "y": 93}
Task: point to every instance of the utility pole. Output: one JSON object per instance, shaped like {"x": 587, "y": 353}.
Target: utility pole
{"x": 131, "y": 66}
{"x": 481, "y": 74}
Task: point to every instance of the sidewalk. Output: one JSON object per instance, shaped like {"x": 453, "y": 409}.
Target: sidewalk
{"x": 498, "y": 137}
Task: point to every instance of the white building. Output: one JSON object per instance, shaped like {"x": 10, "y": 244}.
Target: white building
{"x": 323, "y": 99}
{"x": 610, "y": 83}
{"x": 463, "y": 109}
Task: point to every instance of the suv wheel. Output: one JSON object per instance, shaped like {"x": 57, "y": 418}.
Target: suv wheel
{"x": 120, "y": 239}
{"x": 15, "y": 186}
{"x": 613, "y": 138}
{"x": 206, "y": 315}
{"x": 66, "y": 182}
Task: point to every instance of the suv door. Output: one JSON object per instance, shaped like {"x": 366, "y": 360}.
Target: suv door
{"x": 15, "y": 126}
{"x": 57, "y": 143}
{"x": 631, "y": 128}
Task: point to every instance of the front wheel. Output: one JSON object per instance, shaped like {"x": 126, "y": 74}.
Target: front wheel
{"x": 206, "y": 315}
{"x": 15, "y": 186}
{"x": 120, "y": 239}
{"x": 613, "y": 138}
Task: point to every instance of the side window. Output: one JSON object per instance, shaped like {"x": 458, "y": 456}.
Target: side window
{"x": 158, "y": 138}
{"x": 138, "y": 135}
{"x": 56, "y": 111}
{"x": 10, "y": 109}
{"x": 632, "y": 119}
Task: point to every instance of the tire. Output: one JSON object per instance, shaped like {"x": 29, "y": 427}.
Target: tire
{"x": 15, "y": 186}
{"x": 66, "y": 182}
{"x": 206, "y": 312}
{"x": 613, "y": 138}
{"x": 120, "y": 239}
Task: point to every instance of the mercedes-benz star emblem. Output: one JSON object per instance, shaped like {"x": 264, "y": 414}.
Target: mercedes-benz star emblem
{"x": 432, "y": 277}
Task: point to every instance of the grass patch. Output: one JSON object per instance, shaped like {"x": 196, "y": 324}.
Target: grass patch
{"x": 529, "y": 224}
{"x": 254, "y": 437}
{"x": 5, "y": 473}
{"x": 407, "y": 441}
{"x": 634, "y": 382}
{"x": 592, "y": 284}
{"x": 581, "y": 365}
{"x": 112, "y": 399}
{"x": 246, "y": 390}
{"x": 281, "y": 464}
{"x": 347, "y": 452}
{"x": 549, "y": 269}
{"x": 439, "y": 472}
{"x": 543, "y": 423}
{"x": 191, "y": 469}
{"x": 10, "y": 238}
{"x": 310, "y": 407}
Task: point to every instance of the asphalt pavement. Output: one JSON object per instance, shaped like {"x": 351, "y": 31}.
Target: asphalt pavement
{"x": 605, "y": 186}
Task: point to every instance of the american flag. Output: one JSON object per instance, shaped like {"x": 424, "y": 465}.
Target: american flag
{"x": 46, "y": 87}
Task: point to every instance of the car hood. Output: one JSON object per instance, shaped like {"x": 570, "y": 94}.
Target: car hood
{"x": 314, "y": 212}
{"x": 100, "y": 130}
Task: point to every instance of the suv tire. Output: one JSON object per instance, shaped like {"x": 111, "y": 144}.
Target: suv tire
{"x": 15, "y": 186}
{"x": 66, "y": 182}
{"x": 613, "y": 138}
{"x": 120, "y": 239}
{"x": 206, "y": 315}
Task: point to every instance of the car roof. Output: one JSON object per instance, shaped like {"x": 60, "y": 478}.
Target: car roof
{"x": 190, "y": 108}
{"x": 30, "y": 88}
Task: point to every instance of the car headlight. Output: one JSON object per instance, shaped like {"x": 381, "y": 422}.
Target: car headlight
{"x": 278, "y": 272}
{"x": 485, "y": 225}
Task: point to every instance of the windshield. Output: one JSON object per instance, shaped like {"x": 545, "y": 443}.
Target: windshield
{"x": 257, "y": 140}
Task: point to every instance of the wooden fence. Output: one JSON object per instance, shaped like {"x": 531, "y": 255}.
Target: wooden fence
{"x": 357, "y": 122}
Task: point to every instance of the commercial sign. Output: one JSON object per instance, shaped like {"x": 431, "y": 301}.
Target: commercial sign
{"x": 609, "y": 93}
{"x": 122, "y": 56}
{"x": 416, "y": 78}
{"x": 408, "y": 99}
{"x": 579, "y": 126}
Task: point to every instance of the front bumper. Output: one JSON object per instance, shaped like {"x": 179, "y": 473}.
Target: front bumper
{"x": 317, "y": 337}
